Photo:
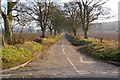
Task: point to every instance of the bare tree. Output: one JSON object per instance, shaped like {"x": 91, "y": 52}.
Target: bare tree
{"x": 38, "y": 11}
{"x": 52, "y": 16}
{"x": 43, "y": 17}
{"x": 90, "y": 10}
{"x": 2, "y": 32}
{"x": 57, "y": 18}
{"x": 8, "y": 17}
{"x": 50, "y": 26}
{"x": 73, "y": 19}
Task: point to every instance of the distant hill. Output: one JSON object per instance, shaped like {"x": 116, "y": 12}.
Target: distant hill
{"x": 105, "y": 26}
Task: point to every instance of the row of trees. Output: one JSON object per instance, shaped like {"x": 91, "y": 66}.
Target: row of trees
{"x": 49, "y": 15}
{"x": 80, "y": 14}
{"x": 46, "y": 14}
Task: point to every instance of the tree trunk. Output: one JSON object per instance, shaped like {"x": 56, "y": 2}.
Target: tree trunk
{"x": 8, "y": 29}
{"x": 55, "y": 32}
{"x": 8, "y": 21}
{"x": 43, "y": 33}
{"x": 58, "y": 31}
{"x": 3, "y": 40}
{"x": 74, "y": 31}
{"x": 50, "y": 31}
{"x": 85, "y": 34}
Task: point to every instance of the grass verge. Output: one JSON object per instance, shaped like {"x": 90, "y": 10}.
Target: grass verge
{"x": 93, "y": 47}
{"x": 14, "y": 55}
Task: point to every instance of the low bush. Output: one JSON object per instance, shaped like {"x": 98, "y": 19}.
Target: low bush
{"x": 20, "y": 38}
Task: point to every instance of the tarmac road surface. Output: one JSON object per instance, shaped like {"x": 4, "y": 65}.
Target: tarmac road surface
{"x": 64, "y": 61}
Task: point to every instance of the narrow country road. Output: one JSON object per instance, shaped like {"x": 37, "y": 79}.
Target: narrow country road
{"x": 63, "y": 61}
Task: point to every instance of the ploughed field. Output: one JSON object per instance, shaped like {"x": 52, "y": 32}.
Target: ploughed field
{"x": 108, "y": 35}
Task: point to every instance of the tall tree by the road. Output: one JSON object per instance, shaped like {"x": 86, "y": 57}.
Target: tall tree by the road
{"x": 37, "y": 11}
{"x": 52, "y": 13}
{"x": 2, "y": 30}
{"x": 43, "y": 16}
{"x": 90, "y": 10}
{"x": 56, "y": 18}
{"x": 73, "y": 19}
{"x": 8, "y": 17}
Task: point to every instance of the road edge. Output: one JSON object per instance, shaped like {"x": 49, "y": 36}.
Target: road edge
{"x": 24, "y": 64}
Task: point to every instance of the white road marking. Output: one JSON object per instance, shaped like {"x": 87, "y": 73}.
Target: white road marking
{"x": 84, "y": 72}
{"x": 29, "y": 74}
{"x": 63, "y": 48}
{"x": 79, "y": 72}
{"x": 72, "y": 64}
{"x": 112, "y": 40}
{"x": 87, "y": 62}
{"x": 62, "y": 42}
{"x": 63, "y": 51}
{"x": 62, "y": 45}
{"x": 69, "y": 60}
{"x": 102, "y": 72}
{"x": 115, "y": 72}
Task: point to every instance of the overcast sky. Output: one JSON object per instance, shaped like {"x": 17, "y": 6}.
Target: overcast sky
{"x": 113, "y": 4}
